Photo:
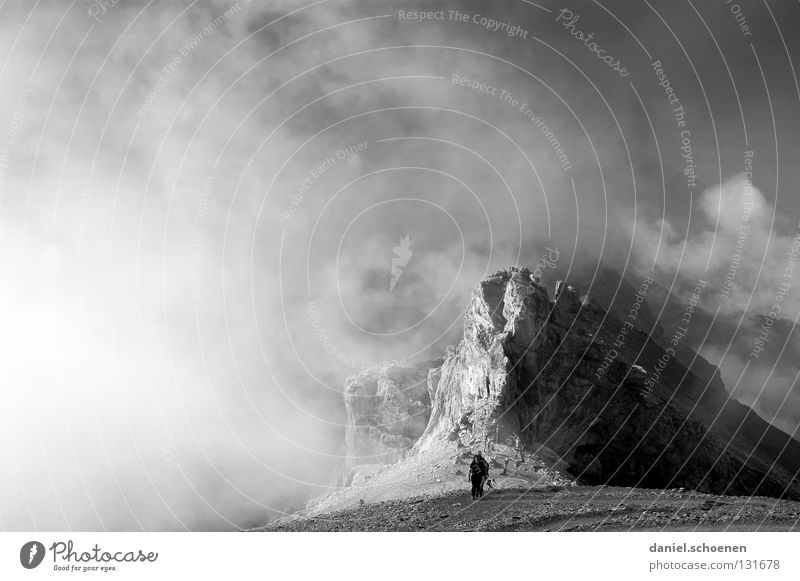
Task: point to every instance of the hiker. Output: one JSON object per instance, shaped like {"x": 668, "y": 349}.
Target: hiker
{"x": 478, "y": 473}
{"x": 476, "y": 478}
{"x": 518, "y": 449}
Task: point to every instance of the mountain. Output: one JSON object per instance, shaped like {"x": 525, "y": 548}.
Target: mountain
{"x": 621, "y": 425}
{"x": 589, "y": 391}
{"x": 719, "y": 331}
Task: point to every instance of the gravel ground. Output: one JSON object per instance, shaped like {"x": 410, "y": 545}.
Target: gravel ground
{"x": 430, "y": 492}
{"x": 557, "y": 508}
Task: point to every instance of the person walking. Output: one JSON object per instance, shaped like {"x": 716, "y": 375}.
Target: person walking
{"x": 478, "y": 473}
{"x": 518, "y": 451}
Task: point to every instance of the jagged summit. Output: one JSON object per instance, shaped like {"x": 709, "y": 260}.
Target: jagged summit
{"x": 593, "y": 397}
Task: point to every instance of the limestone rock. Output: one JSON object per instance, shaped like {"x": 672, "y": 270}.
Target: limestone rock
{"x": 387, "y": 409}
{"x": 534, "y": 367}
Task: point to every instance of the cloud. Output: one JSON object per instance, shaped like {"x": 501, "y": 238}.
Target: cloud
{"x": 165, "y": 370}
{"x": 737, "y": 241}
{"x": 748, "y": 253}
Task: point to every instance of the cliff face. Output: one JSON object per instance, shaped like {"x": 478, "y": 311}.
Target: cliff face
{"x": 388, "y": 409}
{"x": 599, "y": 398}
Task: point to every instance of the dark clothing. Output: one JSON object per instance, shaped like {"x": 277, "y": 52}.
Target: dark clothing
{"x": 476, "y": 478}
{"x": 478, "y": 473}
{"x": 480, "y": 465}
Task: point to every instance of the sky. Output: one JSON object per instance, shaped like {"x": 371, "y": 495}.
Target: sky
{"x": 211, "y": 213}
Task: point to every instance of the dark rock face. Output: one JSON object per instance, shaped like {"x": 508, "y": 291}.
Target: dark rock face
{"x": 620, "y": 412}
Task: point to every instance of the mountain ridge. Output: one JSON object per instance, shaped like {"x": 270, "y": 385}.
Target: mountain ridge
{"x": 578, "y": 386}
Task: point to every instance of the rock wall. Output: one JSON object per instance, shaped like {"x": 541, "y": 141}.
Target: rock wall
{"x": 555, "y": 373}
{"x": 388, "y": 409}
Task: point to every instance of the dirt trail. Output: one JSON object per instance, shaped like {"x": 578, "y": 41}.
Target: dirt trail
{"x": 557, "y": 508}
{"x": 430, "y": 492}
{"x": 560, "y": 509}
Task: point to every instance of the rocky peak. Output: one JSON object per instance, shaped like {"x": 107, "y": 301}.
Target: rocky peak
{"x": 556, "y": 374}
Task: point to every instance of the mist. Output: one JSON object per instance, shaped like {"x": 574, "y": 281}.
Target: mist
{"x": 202, "y": 207}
